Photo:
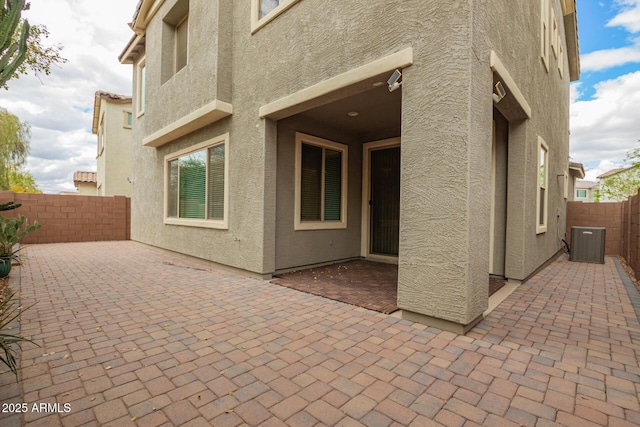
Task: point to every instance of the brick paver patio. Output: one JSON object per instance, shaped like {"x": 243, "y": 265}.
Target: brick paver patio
{"x": 131, "y": 335}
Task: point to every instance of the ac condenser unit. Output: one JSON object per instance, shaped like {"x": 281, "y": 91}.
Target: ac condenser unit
{"x": 587, "y": 244}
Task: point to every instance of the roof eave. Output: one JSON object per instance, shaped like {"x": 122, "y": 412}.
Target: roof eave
{"x": 578, "y": 169}
{"x": 96, "y": 113}
{"x": 571, "y": 35}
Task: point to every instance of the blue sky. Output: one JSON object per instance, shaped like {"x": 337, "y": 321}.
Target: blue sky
{"x": 605, "y": 122}
{"x": 605, "y": 118}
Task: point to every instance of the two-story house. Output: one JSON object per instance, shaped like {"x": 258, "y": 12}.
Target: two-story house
{"x": 586, "y": 191}
{"x": 112, "y": 121}
{"x": 270, "y": 135}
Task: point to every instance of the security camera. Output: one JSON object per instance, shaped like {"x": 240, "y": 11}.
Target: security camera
{"x": 393, "y": 81}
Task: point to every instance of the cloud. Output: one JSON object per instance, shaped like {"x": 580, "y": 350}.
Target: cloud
{"x": 59, "y": 107}
{"x": 608, "y": 58}
{"x": 592, "y": 174}
{"x": 574, "y": 91}
{"x": 629, "y": 17}
{"x": 607, "y": 126}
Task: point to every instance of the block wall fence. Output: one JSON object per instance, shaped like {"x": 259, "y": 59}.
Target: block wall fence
{"x": 72, "y": 218}
{"x": 622, "y": 221}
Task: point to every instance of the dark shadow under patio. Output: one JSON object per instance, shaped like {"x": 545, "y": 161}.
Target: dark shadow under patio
{"x": 367, "y": 284}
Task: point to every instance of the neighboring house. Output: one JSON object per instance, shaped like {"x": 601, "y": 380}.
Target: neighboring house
{"x": 85, "y": 182}
{"x": 576, "y": 172}
{"x": 586, "y": 191}
{"x": 618, "y": 184}
{"x": 112, "y": 120}
{"x": 272, "y": 135}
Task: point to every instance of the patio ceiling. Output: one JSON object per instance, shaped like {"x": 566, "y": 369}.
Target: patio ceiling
{"x": 378, "y": 113}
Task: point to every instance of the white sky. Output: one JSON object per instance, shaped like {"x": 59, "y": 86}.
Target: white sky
{"x": 605, "y": 122}
{"x": 59, "y": 107}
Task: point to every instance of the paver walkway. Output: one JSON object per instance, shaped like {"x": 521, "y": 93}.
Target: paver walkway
{"x": 136, "y": 336}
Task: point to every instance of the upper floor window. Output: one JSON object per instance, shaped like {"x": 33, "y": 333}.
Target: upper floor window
{"x": 263, "y": 11}
{"x": 175, "y": 40}
{"x": 182, "y": 44}
{"x": 141, "y": 83}
{"x": 266, "y": 6}
{"x": 128, "y": 119}
{"x": 545, "y": 30}
{"x": 554, "y": 33}
{"x": 582, "y": 194}
{"x": 101, "y": 135}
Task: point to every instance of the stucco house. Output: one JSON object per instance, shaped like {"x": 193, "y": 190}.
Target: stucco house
{"x": 112, "y": 121}
{"x": 273, "y": 135}
{"x": 85, "y": 183}
{"x": 586, "y": 191}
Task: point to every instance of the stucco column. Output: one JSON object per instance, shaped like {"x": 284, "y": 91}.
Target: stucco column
{"x": 445, "y": 199}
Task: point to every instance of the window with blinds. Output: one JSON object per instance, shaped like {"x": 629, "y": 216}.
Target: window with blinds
{"x": 320, "y": 183}
{"x": 196, "y": 186}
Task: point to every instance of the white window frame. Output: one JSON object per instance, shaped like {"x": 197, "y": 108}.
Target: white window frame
{"x": 222, "y": 224}
{"x": 554, "y": 33}
{"x": 101, "y": 134}
{"x": 578, "y": 196}
{"x": 140, "y": 90}
{"x": 322, "y": 224}
{"x": 127, "y": 114}
{"x": 258, "y": 22}
{"x": 541, "y": 223}
{"x": 560, "y": 58}
{"x": 544, "y": 32}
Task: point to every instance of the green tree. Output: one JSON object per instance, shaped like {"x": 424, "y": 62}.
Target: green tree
{"x": 22, "y": 45}
{"x": 22, "y": 181}
{"x": 618, "y": 187}
{"x": 14, "y": 146}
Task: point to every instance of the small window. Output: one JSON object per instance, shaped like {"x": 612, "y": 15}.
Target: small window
{"x": 197, "y": 185}
{"x": 101, "y": 135}
{"x": 543, "y": 180}
{"x": 182, "y": 44}
{"x": 560, "y": 58}
{"x": 321, "y": 184}
{"x": 554, "y": 33}
{"x": 141, "y": 87}
{"x": 544, "y": 32}
{"x": 128, "y": 119}
{"x": 581, "y": 194}
{"x": 263, "y": 11}
{"x": 175, "y": 40}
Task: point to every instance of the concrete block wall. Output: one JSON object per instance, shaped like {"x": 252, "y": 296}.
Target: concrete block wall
{"x": 71, "y": 218}
{"x": 608, "y": 215}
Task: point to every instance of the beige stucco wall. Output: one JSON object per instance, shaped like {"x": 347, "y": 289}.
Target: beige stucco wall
{"x": 446, "y": 136}
{"x": 114, "y": 162}
{"x": 308, "y": 247}
{"x": 86, "y": 189}
{"x": 548, "y": 95}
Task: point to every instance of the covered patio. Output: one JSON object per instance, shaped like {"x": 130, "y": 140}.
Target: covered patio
{"x": 367, "y": 284}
